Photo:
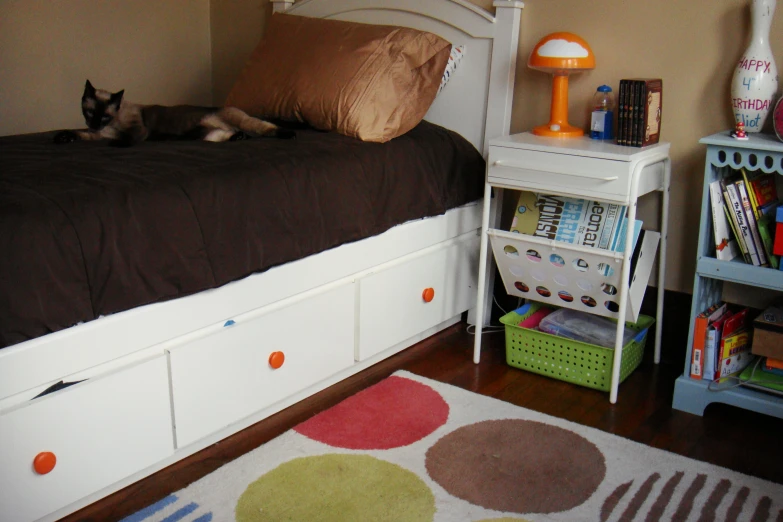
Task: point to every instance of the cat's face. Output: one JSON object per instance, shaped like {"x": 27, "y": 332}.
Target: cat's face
{"x": 99, "y": 107}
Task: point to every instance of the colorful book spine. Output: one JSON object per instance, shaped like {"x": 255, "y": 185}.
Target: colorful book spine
{"x": 735, "y": 205}
{"x": 766, "y": 234}
{"x": 726, "y": 247}
{"x": 735, "y": 353}
{"x": 699, "y": 339}
{"x": 751, "y": 219}
{"x": 622, "y": 106}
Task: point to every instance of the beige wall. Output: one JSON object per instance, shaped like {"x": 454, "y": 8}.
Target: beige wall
{"x": 158, "y": 51}
{"x": 237, "y": 26}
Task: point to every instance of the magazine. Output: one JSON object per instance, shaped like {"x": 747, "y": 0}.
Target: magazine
{"x": 573, "y": 220}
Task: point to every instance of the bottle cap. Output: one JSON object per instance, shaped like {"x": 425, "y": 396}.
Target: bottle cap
{"x": 605, "y": 88}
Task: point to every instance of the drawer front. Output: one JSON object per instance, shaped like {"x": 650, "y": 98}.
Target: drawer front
{"x": 226, "y": 376}
{"x": 392, "y": 307}
{"x": 559, "y": 173}
{"x": 100, "y": 431}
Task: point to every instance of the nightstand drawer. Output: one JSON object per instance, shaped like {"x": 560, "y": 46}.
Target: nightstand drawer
{"x": 559, "y": 173}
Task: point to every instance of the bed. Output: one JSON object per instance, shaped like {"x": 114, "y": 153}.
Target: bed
{"x": 109, "y": 386}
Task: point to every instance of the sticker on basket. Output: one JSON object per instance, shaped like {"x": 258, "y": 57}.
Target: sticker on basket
{"x": 557, "y": 260}
{"x": 516, "y": 270}
{"x": 612, "y": 306}
{"x": 588, "y": 301}
{"x": 561, "y": 280}
{"x": 522, "y": 287}
{"x": 585, "y": 285}
{"x": 543, "y": 291}
{"x": 605, "y": 270}
{"x": 609, "y": 289}
{"x": 533, "y": 256}
{"x": 538, "y": 276}
{"x": 580, "y": 265}
{"x": 511, "y": 251}
{"x": 565, "y": 296}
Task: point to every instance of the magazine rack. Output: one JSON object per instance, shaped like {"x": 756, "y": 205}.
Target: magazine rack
{"x": 550, "y": 271}
{"x": 760, "y": 152}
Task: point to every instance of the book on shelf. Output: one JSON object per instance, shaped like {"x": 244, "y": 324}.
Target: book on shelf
{"x": 573, "y": 220}
{"x": 737, "y": 212}
{"x": 726, "y": 247}
{"x": 767, "y": 232}
{"x": 763, "y": 190}
{"x": 777, "y": 246}
{"x": 750, "y": 200}
{"x": 639, "y": 117}
{"x": 622, "y": 106}
{"x": 702, "y": 321}
{"x": 735, "y": 341}
{"x": 712, "y": 344}
{"x": 750, "y": 215}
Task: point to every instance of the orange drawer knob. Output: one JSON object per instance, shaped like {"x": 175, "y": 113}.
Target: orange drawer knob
{"x": 44, "y": 462}
{"x": 276, "y": 359}
{"x": 428, "y": 294}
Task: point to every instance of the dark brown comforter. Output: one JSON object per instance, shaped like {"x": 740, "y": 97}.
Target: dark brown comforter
{"x": 89, "y": 230}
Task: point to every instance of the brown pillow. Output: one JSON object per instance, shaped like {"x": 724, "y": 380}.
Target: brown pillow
{"x": 371, "y": 82}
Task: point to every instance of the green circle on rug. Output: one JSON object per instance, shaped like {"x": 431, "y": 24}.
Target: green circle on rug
{"x": 517, "y": 466}
{"x": 504, "y": 519}
{"x": 337, "y": 487}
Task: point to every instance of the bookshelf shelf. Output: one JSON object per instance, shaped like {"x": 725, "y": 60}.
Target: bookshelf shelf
{"x": 583, "y": 168}
{"x": 740, "y": 272}
{"x": 759, "y": 153}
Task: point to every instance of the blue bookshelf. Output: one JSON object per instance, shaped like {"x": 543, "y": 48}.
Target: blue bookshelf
{"x": 724, "y": 154}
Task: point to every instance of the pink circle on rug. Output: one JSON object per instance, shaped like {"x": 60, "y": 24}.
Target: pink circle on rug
{"x": 391, "y": 414}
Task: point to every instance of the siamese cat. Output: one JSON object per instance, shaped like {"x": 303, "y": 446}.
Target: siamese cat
{"x": 123, "y": 123}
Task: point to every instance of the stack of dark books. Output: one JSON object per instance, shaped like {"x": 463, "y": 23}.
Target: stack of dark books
{"x": 639, "y": 105}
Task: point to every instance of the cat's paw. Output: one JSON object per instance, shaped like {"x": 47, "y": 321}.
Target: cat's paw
{"x": 66, "y": 136}
{"x": 285, "y": 134}
{"x": 239, "y": 136}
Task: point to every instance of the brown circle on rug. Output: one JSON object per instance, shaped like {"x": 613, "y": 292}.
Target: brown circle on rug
{"x": 517, "y": 466}
{"x": 391, "y": 414}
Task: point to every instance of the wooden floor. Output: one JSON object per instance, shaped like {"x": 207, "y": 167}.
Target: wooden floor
{"x": 743, "y": 441}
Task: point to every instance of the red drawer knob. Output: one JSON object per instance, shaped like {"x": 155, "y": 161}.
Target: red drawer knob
{"x": 44, "y": 462}
{"x": 276, "y": 359}
{"x": 428, "y": 294}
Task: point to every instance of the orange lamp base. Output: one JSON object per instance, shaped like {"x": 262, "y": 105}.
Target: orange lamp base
{"x": 559, "y": 131}
{"x": 558, "y": 126}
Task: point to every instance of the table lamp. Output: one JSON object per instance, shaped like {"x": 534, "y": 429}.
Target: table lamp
{"x": 560, "y": 54}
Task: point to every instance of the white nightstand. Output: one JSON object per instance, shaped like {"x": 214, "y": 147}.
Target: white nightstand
{"x": 583, "y": 168}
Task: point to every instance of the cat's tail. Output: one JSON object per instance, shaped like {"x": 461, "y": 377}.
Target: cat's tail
{"x": 253, "y": 126}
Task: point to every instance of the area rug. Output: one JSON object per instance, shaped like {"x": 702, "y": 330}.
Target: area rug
{"x": 413, "y": 449}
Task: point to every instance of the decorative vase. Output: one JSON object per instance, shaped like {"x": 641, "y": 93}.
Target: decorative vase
{"x": 755, "y": 84}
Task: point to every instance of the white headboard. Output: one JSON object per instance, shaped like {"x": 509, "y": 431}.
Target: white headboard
{"x": 477, "y": 100}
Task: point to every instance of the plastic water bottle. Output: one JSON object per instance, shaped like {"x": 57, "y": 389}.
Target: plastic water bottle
{"x": 601, "y": 122}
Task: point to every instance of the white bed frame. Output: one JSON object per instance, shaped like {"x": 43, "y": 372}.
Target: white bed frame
{"x": 164, "y": 381}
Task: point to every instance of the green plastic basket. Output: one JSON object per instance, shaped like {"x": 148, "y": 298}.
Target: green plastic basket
{"x": 568, "y": 360}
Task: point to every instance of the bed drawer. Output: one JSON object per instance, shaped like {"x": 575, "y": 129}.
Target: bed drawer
{"x": 99, "y": 432}
{"x": 394, "y": 305}
{"x": 229, "y": 375}
{"x": 558, "y": 173}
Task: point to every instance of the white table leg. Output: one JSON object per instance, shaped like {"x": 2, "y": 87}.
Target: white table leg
{"x": 662, "y": 258}
{"x": 624, "y": 288}
{"x": 490, "y": 214}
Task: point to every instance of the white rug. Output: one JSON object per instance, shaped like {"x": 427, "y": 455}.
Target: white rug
{"x": 410, "y": 449}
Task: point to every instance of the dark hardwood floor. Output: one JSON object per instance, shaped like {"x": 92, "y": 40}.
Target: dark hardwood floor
{"x": 743, "y": 441}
